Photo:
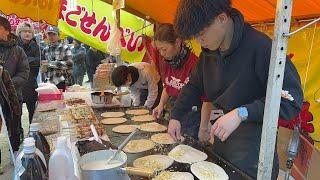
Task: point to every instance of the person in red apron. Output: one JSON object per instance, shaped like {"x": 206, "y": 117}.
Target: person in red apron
{"x": 178, "y": 62}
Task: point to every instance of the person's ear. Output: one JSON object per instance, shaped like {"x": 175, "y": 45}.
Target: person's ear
{"x": 7, "y": 33}
{"x": 178, "y": 42}
{"x": 129, "y": 78}
{"x": 222, "y": 18}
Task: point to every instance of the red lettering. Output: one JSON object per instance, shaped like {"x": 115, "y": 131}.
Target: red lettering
{"x": 103, "y": 29}
{"x": 132, "y": 43}
{"x": 130, "y": 47}
{"x": 141, "y": 47}
{"x": 122, "y": 39}
{"x": 72, "y": 22}
{"x": 63, "y": 9}
{"x": 87, "y": 21}
{"x": 12, "y": 22}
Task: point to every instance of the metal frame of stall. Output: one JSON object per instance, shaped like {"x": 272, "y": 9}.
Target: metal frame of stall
{"x": 274, "y": 87}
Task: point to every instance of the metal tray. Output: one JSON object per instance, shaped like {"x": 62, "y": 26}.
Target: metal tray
{"x": 116, "y": 139}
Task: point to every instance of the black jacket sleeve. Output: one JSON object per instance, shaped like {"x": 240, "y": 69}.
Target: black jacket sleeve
{"x": 189, "y": 94}
{"x": 291, "y": 82}
{"x": 22, "y": 69}
{"x": 34, "y": 60}
{"x": 12, "y": 95}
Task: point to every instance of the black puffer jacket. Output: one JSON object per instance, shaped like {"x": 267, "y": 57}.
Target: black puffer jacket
{"x": 15, "y": 61}
{"x": 33, "y": 53}
{"x": 9, "y": 101}
{"x": 93, "y": 58}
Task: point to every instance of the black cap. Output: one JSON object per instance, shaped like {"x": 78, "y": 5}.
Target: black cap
{"x": 5, "y": 23}
{"x": 52, "y": 29}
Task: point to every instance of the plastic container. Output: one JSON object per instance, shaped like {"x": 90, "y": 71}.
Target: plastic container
{"x": 61, "y": 161}
{"x": 40, "y": 141}
{"x": 30, "y": 163}
{"x": 50, "y": 96}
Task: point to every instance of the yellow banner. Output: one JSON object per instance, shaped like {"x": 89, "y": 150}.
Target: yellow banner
{"x": 37, "y": 10}
{"x": 91, "y": 24}
{"x": 305, "y": 48}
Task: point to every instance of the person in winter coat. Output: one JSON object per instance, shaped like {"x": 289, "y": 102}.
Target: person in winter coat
{"x": 93, "y": 59}
{"x": 26, "y": 40}
{"x": 14, "y": 60}
{"x": 60, "y": 57}
{"x": 232, "y": 72}
{"x": 78, "y": 58}
{"x": 10, "y": 107}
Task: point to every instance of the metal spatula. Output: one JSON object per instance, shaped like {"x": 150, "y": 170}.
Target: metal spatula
{"x": 122, "y": 145}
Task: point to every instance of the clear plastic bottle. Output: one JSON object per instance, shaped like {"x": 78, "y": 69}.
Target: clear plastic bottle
{"x": 61, "y": 161}
{"x": 41, "y": 142}
{"x": 30, "y": 163}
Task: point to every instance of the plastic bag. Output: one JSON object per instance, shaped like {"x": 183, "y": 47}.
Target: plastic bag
{"x": 114, "y": 45}
{"x": 47, "y": 88}
{"x": 118, "y": 4}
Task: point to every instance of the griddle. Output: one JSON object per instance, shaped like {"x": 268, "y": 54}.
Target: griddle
{"x": 233, "y": 172}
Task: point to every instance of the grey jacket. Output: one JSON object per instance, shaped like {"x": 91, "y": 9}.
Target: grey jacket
{"x": 15, "y": 61}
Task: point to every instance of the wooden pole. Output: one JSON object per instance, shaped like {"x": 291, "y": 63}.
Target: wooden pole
{"x": 118, "y": 59}
{"x": 118, "y": 17}
{"x": 274, "y": 87}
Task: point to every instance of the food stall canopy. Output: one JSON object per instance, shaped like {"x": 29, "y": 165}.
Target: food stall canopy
{"x": 163, "y": 11}
{"x": 41, "y": 10}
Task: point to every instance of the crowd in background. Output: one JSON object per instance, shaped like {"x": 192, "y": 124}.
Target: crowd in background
{"x": 25, "y": 56}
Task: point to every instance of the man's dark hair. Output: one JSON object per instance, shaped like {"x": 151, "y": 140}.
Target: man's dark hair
{"x": 5, "y": 23}
{"x": 193, "y": 16}
{"x": 119, "y": 75}
{"x": 165, "y": 32}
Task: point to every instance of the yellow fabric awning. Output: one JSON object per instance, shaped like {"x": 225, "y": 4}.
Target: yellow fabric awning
{"x": 44, "y": 10}
{"x": 254, "y": 10}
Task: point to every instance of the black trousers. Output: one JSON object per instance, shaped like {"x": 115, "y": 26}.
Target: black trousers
{"x": 242, "y": 149}
{"x": 19, "y": 132}
{"x": 90, "y": 72}
{"x": 31, "y": 106}
{"x": 16, "y": 136}
{"x": 144, "y": 95}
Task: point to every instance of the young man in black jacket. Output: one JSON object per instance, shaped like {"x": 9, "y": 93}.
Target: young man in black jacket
{"x": 232, "y": 72}
{"x": 25, "y": 31}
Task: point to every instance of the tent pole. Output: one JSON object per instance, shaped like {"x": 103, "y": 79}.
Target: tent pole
{"x": 274, "y": 87}
{"x": 118, "y": 17}
{"x": 118, "y": 59}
